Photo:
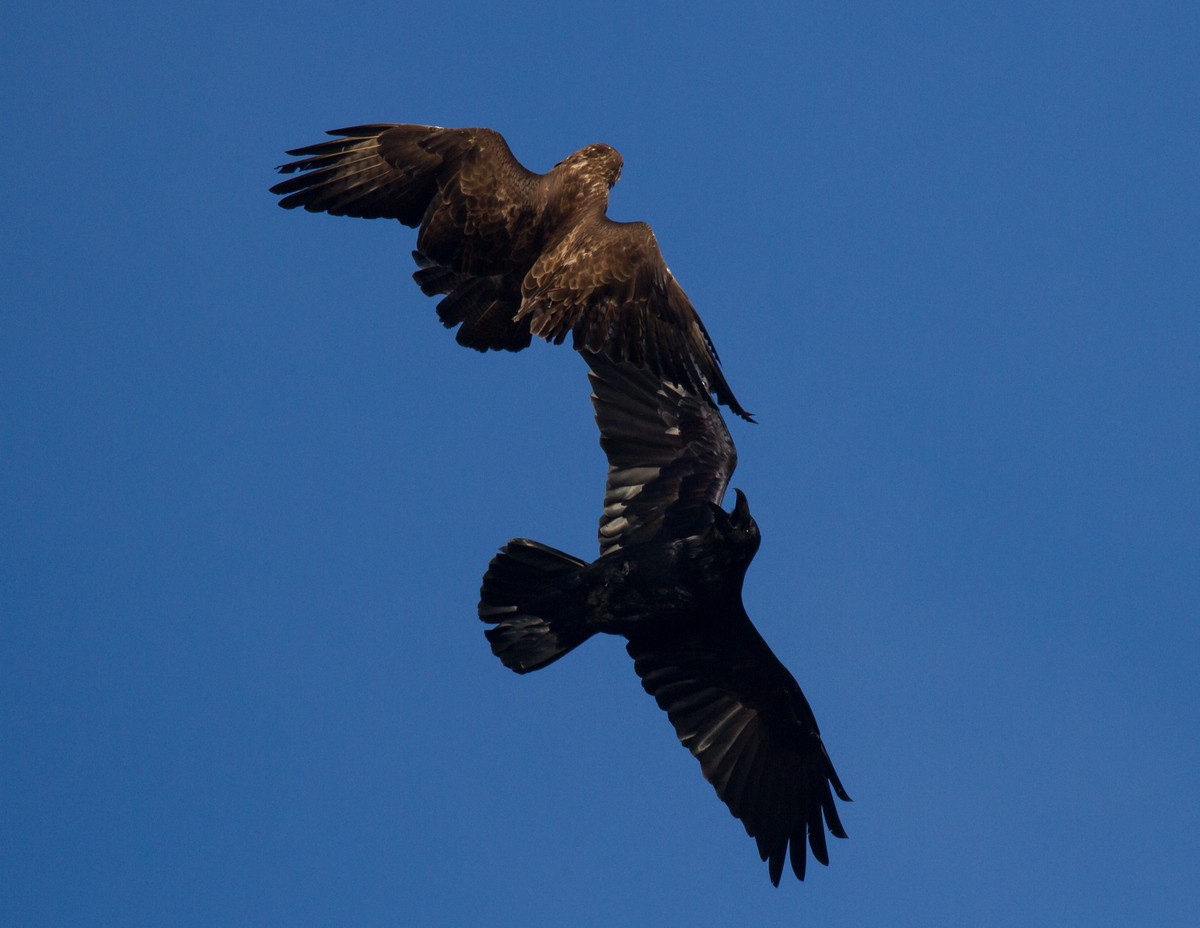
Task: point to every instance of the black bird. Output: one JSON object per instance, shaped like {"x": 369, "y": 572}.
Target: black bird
{"x": 515, "y": 253}
{"x": 669, "y": 580}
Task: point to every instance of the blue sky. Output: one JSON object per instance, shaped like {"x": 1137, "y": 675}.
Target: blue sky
{"x": 249, "y": 485}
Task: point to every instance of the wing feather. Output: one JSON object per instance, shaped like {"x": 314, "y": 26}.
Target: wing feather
{"x": 669, "y": 452}
{"x": 384, "y": 170}
{"x": 478, "y": 210}
{"x": 743, "y": 716}
{"x": 606, "y": 283}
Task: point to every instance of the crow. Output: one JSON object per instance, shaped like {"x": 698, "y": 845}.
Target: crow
{"x": 669, "y": 580}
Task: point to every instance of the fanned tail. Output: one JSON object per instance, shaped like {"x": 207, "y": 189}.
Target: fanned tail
{"x": 534, "y": 600}
{"x": 483, "y": 305}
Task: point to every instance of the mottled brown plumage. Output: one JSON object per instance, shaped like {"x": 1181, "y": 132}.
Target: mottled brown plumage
{"x": 513, "y": 253}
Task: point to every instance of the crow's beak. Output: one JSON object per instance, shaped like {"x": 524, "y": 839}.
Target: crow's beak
{"x": 741, "y": 509}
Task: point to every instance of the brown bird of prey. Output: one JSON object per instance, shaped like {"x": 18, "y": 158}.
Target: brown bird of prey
{"x": 669, "y": 580}
{"x": 514, "y": 253}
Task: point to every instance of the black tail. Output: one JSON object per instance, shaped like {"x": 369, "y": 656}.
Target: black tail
{"x": 532, "y": 596}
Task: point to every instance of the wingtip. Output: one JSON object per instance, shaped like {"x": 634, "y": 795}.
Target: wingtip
{"x": 726, "y": 398}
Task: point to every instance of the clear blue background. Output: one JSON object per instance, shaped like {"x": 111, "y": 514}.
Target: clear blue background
{"x": 248, "y": 485}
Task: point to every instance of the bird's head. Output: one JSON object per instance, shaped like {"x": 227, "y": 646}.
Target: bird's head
{"x": 739, "y": 527}
{"x": 598, "y": 162}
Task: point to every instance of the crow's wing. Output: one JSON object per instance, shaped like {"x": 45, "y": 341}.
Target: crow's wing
{"x": 743, "y": 716}
{"x": 670, "y": 456}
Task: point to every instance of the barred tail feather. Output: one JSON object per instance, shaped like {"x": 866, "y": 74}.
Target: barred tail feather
{"x": 532, "y": 597}
{"x": 484, "y": 306}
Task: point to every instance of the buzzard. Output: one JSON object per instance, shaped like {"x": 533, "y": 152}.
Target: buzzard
{"x": 669, "y": 580}
{"x": 513, "y": 253}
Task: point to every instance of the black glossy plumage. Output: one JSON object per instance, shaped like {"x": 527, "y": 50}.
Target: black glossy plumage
{"x": 513, "y": 253}
{"x": 669, "y": 580}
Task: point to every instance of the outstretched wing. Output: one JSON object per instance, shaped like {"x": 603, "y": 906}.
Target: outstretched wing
{"x": 607, "y": 283}
{"x": 474, "y": 201}
{"x": 670, "y": 456}
{"x": 477, "y": 207}
{"x": 743, "y": 716}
